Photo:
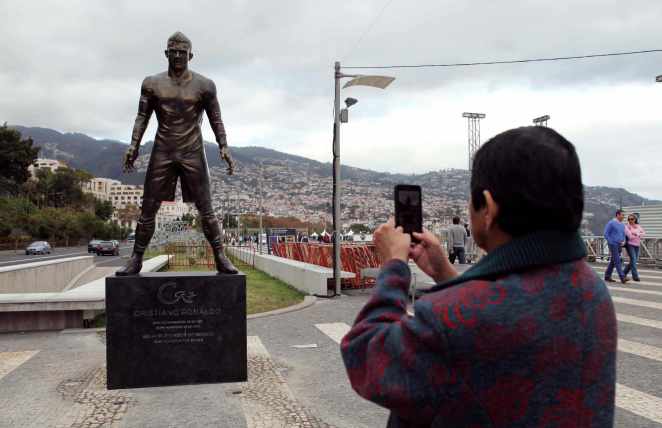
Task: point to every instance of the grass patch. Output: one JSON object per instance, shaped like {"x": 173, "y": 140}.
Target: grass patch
{"x": 263, "y": 292}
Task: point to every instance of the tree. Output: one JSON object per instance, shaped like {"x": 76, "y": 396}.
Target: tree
{"x": 188, "y": 218}
{"x": 62, "y": 188}
{"x": 14, "y": 214}
{"x": 128, "y": 214}
{"x": 16, "y": 156}
{"x": 103, "y": 209}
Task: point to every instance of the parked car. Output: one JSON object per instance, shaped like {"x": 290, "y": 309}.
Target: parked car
{"x": 131, "y": 237}
{"x": 92, "y": 246}
{"x": 38, "y": 247}
{"x": 107, "y": 247}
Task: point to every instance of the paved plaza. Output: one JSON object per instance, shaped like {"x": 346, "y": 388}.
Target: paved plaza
{"x": 296, "y": 376}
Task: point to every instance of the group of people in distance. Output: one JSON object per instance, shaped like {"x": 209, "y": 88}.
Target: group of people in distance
{"x": 619, "y": 235}
{"x": 525, "y": 337}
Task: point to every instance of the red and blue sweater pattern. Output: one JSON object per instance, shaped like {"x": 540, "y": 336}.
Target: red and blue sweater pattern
{"x": 536, "y": 348}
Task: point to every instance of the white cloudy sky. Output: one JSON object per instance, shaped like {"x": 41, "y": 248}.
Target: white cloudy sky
{"x": 76, "y": 66}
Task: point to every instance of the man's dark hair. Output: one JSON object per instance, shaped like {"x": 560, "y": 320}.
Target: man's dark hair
{"x": 456, "y": 220}
{"x": 534, "y": 176}
{"x": 618, "y": 212}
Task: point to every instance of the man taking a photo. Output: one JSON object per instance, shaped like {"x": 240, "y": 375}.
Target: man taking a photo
{"x": 526, "y": 337}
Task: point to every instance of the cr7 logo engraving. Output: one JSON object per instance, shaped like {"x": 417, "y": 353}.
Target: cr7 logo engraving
{"x": 169, "y": 294}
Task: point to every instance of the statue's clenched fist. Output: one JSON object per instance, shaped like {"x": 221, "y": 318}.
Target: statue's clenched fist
{"x": 129, "y": 158}
{"x": 225, "y": 155}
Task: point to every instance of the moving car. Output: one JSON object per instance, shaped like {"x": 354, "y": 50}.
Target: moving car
{"x": 38, "y": 247}
{"x": 107, "y": 247}
{"x": 92, "y": 246}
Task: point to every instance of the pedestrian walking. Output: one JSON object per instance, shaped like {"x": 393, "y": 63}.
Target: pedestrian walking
{"x": 634, "y": 232}
{"x": 615, "y": 236}
{"x": 458, "y": 238}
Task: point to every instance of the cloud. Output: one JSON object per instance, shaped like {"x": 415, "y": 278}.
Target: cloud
{"x": 77, "y": 66}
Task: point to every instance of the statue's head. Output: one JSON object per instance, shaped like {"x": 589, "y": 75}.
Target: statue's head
{"x": 178, "y": 51}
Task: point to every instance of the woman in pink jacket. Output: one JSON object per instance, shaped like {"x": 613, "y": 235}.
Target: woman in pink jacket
{"x": 634, "y": 233}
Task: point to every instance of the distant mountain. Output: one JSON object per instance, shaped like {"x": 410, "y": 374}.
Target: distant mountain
{"x": 298, "y": 186}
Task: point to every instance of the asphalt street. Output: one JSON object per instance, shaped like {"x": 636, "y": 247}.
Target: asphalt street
{"x": 295, "y": 371}
{"x": 9, "y": 258}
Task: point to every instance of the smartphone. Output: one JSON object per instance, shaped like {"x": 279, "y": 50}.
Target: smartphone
{"x": 408, "y": 208}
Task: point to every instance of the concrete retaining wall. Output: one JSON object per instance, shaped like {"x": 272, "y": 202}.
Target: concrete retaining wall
{"x": 55, "y": 311}
{"x": 42, "y": 277}
{"x": 305, "y": 277}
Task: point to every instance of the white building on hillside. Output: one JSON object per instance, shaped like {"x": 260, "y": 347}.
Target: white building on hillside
{"x": 100, "y": 187}
{"x": 650, "y": 218}
{"x": 171, "y": 211}
{"x": 52, "y": 164}
{"x": 122, "y": 195}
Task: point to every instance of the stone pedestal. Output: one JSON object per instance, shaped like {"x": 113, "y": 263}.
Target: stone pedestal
{"x": 175, "y": 329}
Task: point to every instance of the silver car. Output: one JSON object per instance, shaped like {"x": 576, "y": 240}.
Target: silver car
{"x": 38, "y": 247}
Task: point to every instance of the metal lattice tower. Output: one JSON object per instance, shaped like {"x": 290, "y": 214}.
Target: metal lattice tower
{"x": 473, "y": 131}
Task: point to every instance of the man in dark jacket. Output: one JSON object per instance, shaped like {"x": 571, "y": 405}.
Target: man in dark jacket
{"x": 526, "y": 337}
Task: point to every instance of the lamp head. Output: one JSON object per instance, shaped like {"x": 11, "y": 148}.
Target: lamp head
{"x": 350, "y": 102}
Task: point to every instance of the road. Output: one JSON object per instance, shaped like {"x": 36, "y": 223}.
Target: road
{"x": 295, "y": 374}
{"x": 9, "y": 258}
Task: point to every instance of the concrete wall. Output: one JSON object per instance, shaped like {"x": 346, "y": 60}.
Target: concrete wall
{"x": 42, "y": 277}
{"x": 59, "y": 310}
{"x": 40, "y": 320}
{"x": 305, "y": 277}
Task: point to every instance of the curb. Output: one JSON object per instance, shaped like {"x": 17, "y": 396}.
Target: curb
{"x": 307, "y": 302}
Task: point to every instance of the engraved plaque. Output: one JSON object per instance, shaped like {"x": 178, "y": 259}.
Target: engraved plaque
{"x": 175, "y": 329}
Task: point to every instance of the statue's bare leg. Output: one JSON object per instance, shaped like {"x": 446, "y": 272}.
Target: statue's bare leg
{"x": 144, "y": 232}
{"x": 213, "y": 234}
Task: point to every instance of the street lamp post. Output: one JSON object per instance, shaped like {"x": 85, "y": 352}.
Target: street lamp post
{"x": 357, "y": 80}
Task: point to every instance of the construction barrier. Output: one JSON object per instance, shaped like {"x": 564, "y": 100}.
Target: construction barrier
{"x": 353, "y": 257}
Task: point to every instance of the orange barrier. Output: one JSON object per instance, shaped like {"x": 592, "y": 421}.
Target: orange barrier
{"x": 353, "y": 258}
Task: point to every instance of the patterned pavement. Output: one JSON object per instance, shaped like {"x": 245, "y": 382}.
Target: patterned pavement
{"x": 296, "y": 377}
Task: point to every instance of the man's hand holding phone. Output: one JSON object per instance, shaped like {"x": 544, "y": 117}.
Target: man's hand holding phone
{"x": 391, "y": 242}
{"x": 431, "y": 258}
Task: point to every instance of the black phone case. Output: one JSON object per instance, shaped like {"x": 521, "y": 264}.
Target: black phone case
{"x": 408, "y": 208}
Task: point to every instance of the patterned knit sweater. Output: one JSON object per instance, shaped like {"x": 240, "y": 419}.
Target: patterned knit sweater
{"x": 525, "y": 338}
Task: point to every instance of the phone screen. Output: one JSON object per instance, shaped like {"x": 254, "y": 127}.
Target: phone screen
{"x": 408, "y": 208}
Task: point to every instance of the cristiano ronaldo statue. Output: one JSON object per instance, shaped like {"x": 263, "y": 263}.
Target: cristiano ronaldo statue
{"x": 178, "y": 96}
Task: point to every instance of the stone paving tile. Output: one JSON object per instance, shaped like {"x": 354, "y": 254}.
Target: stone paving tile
{"x": 268, "y": 402}
{"x": 92, "y": 404}
{"x": 11, "y": 360}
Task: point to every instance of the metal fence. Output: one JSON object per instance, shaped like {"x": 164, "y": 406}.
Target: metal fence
{"x": 187, "y": 256}
{"x": 650, "y": 252}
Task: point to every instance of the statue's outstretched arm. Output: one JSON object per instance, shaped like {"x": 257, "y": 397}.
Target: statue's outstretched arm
{"x": 213, "y": 109}
{"x": 145, "y": 109}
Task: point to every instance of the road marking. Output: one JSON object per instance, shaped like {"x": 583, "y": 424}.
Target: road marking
{"x": 635, "y": 290}
{"x": 11, "y": 360}
{"x": 640, "y": 349}
{"x": 635, "y": 302}
{"x": 639, "y": 321}
{"x": 254, "y": 346}
{"x": 639, "y": 403}
{"x": 635, "y": 283}
{"x": 36, "y": 259}
{"x": 335, "y": 330}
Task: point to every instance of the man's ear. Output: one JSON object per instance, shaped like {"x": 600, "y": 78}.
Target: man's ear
{"x": 491, "y": 210}
{"x": 190, "y": 56}
{"x": 166, "y": 53}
